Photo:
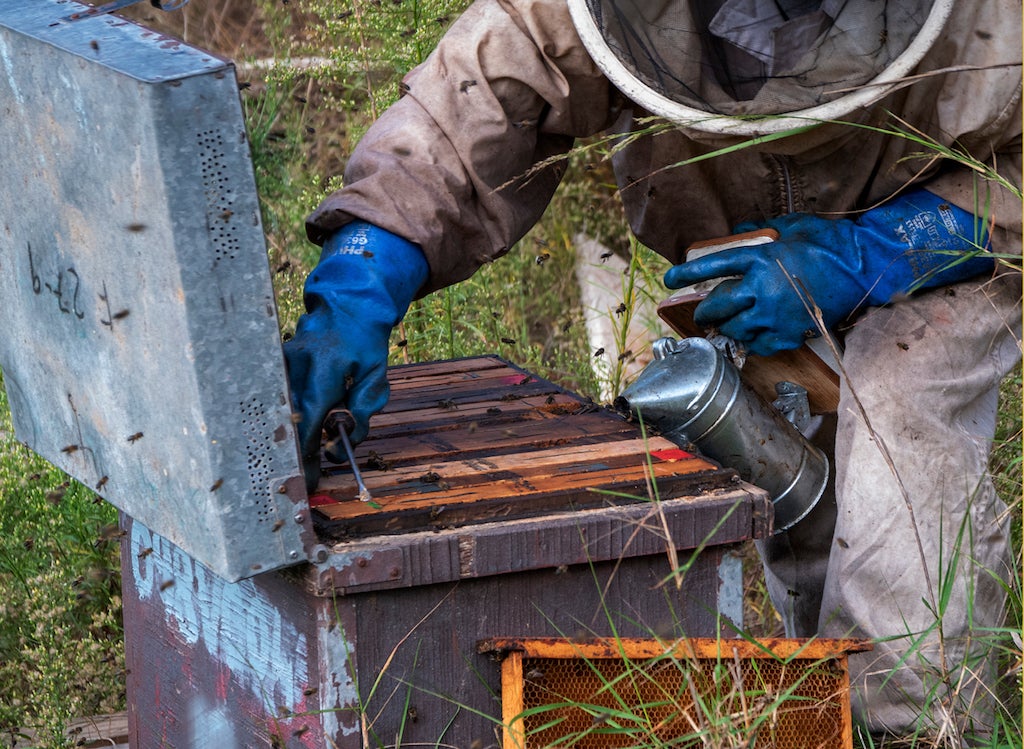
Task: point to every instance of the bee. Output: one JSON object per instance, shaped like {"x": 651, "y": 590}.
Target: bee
{"x": 543, "y": 258}
{"x": 605, "y": 256}
{"x": 217, "y": 485}
{"x": 278, "y": 525}
{"x": 621, "y": 309}
{"x": 145, "y": 552}
{"x": 55, "y": 496}
{"x": 376, "y": 463}
{"x": 403, "y": 89}
{"x": 402, "y": 343}
{"x": 133, "y": 438}
{"x": 430, "y": 477}
{"x": 286, "y": 265}
{"x": 441, "y": 20}
{"x": 842, "y": 542}
{"x": 466, "y": 85}
{"x": 447, "y": 405}
{"x": 493, "y": 411}
{"x": 599, "y": 352}
{"x": 136, "y": 228}
{"x": 522, "y": 124}
{"x": 407, "y": 33}
{"x": 94, "y": 44}
{"x": 309, "y": 691}
{"x": 903, "y": 346}
{"x": 226, "y": 214}
{"x": 166, "y": 584}
{"x": 549, "y": 400}
{"x": 68, "y": 449}
{"x": 300, "y": 731}
{"x": 625, "y": 355}
{"x": 567, "y": 326}
{"x": 121, "y": 315}
{"x": 509, "y": 341}
{"x": 527, "y": 379}
{"x": 534, "y": 674}
{"x": 244, "y": 85}
{"x": 413, "y": 715}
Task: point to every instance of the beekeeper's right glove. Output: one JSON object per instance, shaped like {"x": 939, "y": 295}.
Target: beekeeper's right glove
{"x": 358, "y": 292}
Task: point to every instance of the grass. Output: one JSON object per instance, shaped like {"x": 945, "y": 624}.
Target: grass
{"x": 60, "y": 637}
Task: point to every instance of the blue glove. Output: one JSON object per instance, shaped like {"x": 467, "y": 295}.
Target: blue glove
{"x": 912, "y": 242}
{"x": 359, "y": 291}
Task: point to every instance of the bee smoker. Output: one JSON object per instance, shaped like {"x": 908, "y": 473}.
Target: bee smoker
{"x": 693, "y": 395}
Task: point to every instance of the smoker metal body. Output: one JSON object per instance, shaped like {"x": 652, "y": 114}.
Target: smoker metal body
{"x": 141, "y": 350}
{"x": 693, "y": 395}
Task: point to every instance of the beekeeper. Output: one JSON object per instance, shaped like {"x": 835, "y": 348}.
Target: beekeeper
{"x": 896, "y": 244}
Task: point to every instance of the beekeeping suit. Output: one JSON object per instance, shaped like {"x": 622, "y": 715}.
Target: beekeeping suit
{"x": 814, "y": 92}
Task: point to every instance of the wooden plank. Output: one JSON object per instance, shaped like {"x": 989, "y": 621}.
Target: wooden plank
{"x": 512, "y": 702}
{"x": 694, "y": 647}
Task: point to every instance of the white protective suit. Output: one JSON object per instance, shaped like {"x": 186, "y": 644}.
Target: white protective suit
{"x": 512, "y": 84}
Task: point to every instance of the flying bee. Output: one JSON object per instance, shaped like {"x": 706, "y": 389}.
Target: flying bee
{"x": 466, "y": 85}
{"x": 599, "y": 352}
{"x": 447, "y": 405}
{"x": 145, "y": 552}
{"x": 166, "y": 584}
{"x": 226, "y": 214}
{"x": 543, "y": 258}
{"x": 309, "y": 691}
{"x": 133, "y": 438}
{"x": 136, "y": 228}
{"x": 621, "y": 309}
{"x": 278, "y": 525}
{"x": 509, "y": 341}
{"x": 625, "y": 355}
{"x": 69, "y": 449}
{"x": 605, "y": 256}
{"x": 217, "y": 485}
{"x": 121, "y": 315}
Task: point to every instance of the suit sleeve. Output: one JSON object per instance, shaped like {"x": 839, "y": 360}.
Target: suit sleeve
{"x": 468, "y": 159}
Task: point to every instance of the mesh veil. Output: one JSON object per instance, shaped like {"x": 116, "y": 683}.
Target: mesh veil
{"x": 755, "y": 58}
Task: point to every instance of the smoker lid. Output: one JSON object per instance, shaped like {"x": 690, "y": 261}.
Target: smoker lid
{"x": 141, "y": 350}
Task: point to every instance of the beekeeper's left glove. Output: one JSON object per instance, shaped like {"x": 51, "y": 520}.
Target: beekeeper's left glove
{"x": 912, "y": 242}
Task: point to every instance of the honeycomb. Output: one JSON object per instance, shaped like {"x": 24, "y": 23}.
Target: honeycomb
{"x": 684, "y": 702}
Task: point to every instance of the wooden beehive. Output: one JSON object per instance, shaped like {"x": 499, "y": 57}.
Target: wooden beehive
{"x": 501, "y": 504}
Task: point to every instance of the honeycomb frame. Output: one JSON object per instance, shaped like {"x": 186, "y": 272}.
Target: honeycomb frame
{"x": 696, "y": 692}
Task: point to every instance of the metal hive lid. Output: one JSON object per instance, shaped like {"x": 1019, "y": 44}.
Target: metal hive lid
{"x": 141, "y": 350}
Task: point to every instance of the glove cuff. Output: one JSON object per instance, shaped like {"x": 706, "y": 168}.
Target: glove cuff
{"x": 361, "y": 258}
{"x": 919, "y": 241}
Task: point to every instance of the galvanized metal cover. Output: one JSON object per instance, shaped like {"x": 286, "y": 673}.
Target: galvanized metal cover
{"x": 140, "y": 346}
